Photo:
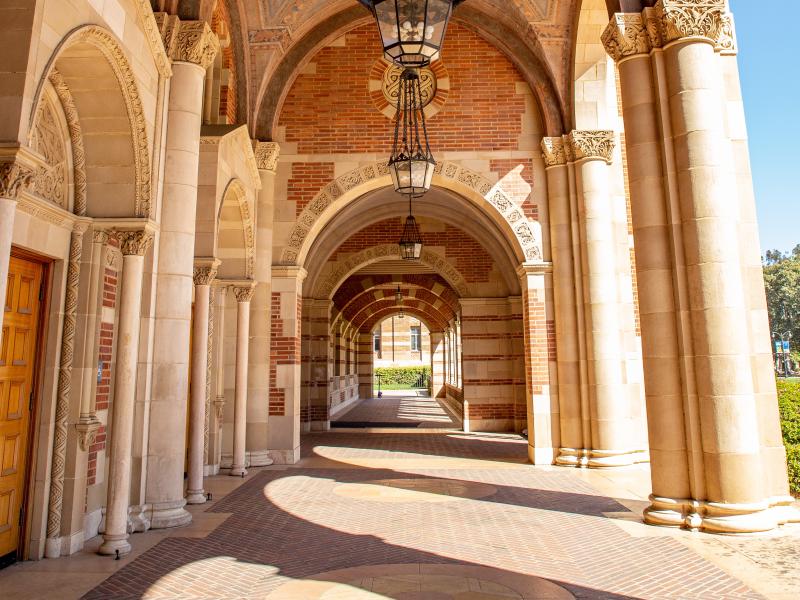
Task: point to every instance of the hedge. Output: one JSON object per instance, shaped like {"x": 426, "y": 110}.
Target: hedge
{"x": 405, "y": 376}
{"x": 789, "y": 406}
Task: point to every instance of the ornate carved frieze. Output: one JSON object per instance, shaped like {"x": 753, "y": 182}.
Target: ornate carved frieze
{"x": 625, "y": 36}
{"x": 244, "y": 293}
{"x": 266, "y": 154}
{"x": 553, "y": 152}
{"x": 134, "y": 242}
{"x": 188, "y": 41}
{"x": 14, "y": 177}
{"x": 592, "y": 145}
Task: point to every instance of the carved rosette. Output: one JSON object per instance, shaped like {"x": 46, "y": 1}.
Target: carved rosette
{"x": 266, "y": 154}
{"x": 189, "y": 41}
{"x": 134, "y": 242}
{"x": 626, "y": 36}
{"x": 554, "y": 152}
{"x": 592, "y": 145}
{"x": 205, "y": 273}
{"x": 14, "y": 177}
{"x": 244, "y": 293}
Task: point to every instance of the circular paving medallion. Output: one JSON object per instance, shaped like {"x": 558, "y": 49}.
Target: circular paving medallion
{"x": 384, "y": 87}
{"x": 414, "y": 490}
{"x": 421, "y": 582}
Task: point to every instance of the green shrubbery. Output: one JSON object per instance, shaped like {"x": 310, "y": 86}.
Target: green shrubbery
{"x": 402, "y": 377}
{"x": 789, "y": 405}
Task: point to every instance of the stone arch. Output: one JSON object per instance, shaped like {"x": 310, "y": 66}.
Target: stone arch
{"x": 327, "y": 287}
{"x": 235, "y": 233}
{"x": 495, "y": 203}
{"x": 67, "y": 71}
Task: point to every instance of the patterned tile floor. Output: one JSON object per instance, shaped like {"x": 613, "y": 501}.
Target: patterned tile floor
{"x": 413, "y": 516}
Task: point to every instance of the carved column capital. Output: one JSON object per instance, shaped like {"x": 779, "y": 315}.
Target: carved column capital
{"x": 244, "y": 292}
{"x": 592, "y": 145}
{"x": 188, "y": 41}
{"x": 701, "y": 19}
{"x": 135, "y": 242}
{"x": 626, "y": 36}
{"x": 266, "y": 154}
{"x": 554, "y": 152}
{"x": 14, "y": 177}
{"x": 205, "y": 271}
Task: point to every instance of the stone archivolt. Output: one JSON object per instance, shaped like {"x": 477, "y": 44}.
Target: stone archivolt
{"x": 76, "y": 141}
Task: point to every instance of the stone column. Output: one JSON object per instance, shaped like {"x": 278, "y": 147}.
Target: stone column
{"x": 266, "y": 154}
{"x": 614, "y": 397}
{"x": 218, "y": 389}
{"x": 192, "y": 46}
{"x": 574, "y": 423}
{"x": 204, "y": 273}
{"x": 284, "y": 398}
{"x": 438, "y": 359}
{"x": 244, "y": 294}
{"x": 134, "y": 245}
{"x": 15, "y": 175}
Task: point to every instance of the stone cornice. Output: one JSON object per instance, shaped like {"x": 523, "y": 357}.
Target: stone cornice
{"x": 266, "y": 154}
{"x": 188, "y": 41}
{"x": 554, "y": 152}
{"x": 592, "y": 145}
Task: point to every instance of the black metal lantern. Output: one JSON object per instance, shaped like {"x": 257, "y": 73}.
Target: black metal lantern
{"x": 398, "y": 296}
{"x": 412, "y": 31}
{"x": 411, "y": 163}
{"x": 411, "y": 240}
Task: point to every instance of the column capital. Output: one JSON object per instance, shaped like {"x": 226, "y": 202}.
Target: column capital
{"x": 205, "y": 270}
{"x": 592, "y": 145}
{"x": 17, "y": 168}
{"x": 134, "y": 242}
{"x": 244, "y": 291}
{"x": 266, "y": 154}
{"x": 188, "y": 41}
{"x": 554, "y": 152}
{"x": 626, "y": 36}
{"x": 700, "y": 19}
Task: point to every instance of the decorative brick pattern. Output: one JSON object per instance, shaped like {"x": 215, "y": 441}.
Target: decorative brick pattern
{"x": 329, "y": 109}
{"x": 307, "y": 181}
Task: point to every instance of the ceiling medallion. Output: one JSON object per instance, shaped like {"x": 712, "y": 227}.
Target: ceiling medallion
{"x": 384, "y": 87}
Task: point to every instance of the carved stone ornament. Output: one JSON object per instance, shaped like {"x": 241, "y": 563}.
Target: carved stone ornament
{"x": 691, "y": 18}
{"x": 553, "y": 152}
{"x": 592, "y": 145}
{"x": 14, "y": 177}
{"x": 204, "y": 274}
{"x": 195, "y": 43}
{"x": 266, "y": 154}
{"x": 87, "y": 432}
{"x": 625, "y": 36}
{"x": 219, "y": 408}
{"x": 244, "y": 293}
{"x": 134, "y": 242}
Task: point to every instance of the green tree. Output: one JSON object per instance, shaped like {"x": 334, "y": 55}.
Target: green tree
{"x": 782, "y": 281}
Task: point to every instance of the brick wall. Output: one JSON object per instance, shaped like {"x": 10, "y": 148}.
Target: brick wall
{"x": 307, "y": 181}
{"x": 329, "y": 109}
{"x": 284, "y": 350}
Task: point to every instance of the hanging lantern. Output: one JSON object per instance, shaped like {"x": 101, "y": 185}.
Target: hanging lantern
{"x": 412, "y": 31}
{"x": 411, "y": 241}
{"x": 411, "y": 163}
{"x": 398, "y": 296}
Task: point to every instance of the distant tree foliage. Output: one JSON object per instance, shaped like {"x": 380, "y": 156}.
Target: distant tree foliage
{"x": 782, "y": 281}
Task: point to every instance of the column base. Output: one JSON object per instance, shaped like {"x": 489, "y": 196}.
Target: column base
{"x": 238, "y": 471}
{"x": 718, "y": 517}
{"x": 169, "y": 514}
{"x": 259, "y": 458}
{"x": 600, "y": 459}
{"x": 285, "y": 457}
{"x": 196, "y": 497}
{"x": 113, "y": 544}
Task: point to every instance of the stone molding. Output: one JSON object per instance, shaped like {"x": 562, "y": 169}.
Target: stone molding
{"x": 632, "y": 34}
{"x": 554, "y": 152}
{"x": 244, "y": 292}
{"x": 135, "y": 242}
{"x": 188, "y": 41}
{"x": 153, "y": 35}
{"x": 205, "y": 271}
{"x": 267, "y": 154}
{"x": 592, "y": 145}
{"x": 76, "y": 141}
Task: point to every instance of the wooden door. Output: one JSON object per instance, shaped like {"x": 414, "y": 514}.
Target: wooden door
{"x": 18, "y": 350}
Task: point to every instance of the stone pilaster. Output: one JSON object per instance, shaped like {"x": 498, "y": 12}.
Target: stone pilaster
{"x": 134, "y": 245}
{"x": 191, "y": 46}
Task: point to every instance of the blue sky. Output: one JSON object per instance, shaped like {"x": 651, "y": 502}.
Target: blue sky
{"x": 770, "y": 76}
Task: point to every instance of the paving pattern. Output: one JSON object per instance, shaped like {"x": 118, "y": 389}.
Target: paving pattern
{"x": 399, "y": 409}
{"x": 301, "y": 532}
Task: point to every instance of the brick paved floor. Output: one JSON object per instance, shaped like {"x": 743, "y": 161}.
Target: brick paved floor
{"x": 490, "y": 511}
{"x": 402, "y": 409}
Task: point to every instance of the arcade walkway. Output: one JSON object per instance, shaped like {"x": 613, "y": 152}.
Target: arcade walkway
{"x": 398, "y": 408}
{"x": 413, "y": 516}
